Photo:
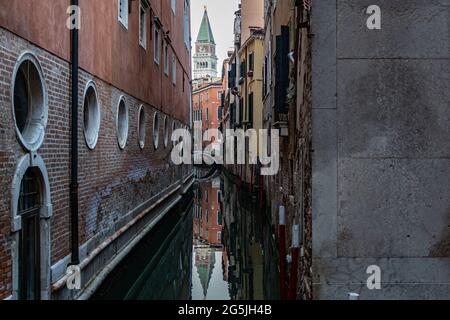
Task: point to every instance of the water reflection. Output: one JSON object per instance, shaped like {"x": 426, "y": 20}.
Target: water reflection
{"x": 232, "y": 259}
{"x": 159, "y": 267}
{"x": 216, "y": 244}
{"x": 209, "y": 277}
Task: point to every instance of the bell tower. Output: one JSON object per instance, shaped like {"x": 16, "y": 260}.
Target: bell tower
{"x": 205, "y": 59}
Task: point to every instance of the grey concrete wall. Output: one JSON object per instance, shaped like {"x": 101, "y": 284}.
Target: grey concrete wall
{"x": 381, "y": 140}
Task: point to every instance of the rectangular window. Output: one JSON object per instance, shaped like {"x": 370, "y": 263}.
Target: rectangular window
{"x": 241, "y": 110}
{"x": 186, "y": 24}
{"x": 143, "y": 25}
{"x": 174, "y": 70}
{"x": 250, "y": 108}
{"x": 281, "y": 71}
{"x": 242, "y": 70}
{"x": 156, "y": 44}
{"x": 219, "y": 236}
{"x": 207, "y": 114}
{"x": 174, "y": 4}
{"x": 123, "y": 12}
{"x": 166, "y": 59}
{"x": 251, "y": 62}
{"x": 219, "y": 218}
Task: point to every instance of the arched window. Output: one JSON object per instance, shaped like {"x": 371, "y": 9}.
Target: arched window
{"x": 29, "y": 207}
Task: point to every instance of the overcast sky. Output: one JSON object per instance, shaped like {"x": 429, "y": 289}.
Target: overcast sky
{"x": 221, "y": 16}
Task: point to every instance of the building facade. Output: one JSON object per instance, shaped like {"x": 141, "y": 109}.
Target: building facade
{"x": 243, "y": 85}
{"x": 207, "y": 101}
{"x": 133, "y": 91}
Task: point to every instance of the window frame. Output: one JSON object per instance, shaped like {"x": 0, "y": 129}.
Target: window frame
{"x": 155, "y": 131}
{"x": 143, "y": 38}
{"x": 92, "y": 140}
{"x": 157, "y": 44}
{"x": 37, "y": 105}
{"x": 186, "y": 24}
{"x": 122, "y": 140}
{"x": 174, "y": 70}
{"x": 173, "y": 7}
{"x": 166, "y": 59}
{"x": 142, "y": 126}
{"x": 123, "y": 20}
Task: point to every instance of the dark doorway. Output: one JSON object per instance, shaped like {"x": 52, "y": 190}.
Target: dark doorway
{"x": 29, "y": 239}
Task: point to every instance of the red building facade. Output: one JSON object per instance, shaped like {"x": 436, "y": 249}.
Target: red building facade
{"x": 134, "y": 89}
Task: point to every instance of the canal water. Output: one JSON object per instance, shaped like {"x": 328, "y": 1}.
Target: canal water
{"x": 215, "y": 245}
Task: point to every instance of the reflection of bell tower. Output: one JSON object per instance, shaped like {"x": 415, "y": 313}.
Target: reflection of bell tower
{"x": 205, "y": 259}
{"x": 205, "y": 59}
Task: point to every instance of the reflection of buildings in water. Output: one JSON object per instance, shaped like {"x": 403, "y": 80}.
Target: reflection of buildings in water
{"x": 251, "y": 271}
{"x": 208, "y": 219}
{"x": 227, "y": 220}
{"x": 205, "y": 259}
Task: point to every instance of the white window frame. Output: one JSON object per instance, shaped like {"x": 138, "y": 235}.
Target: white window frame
{"x": 156, "y": 130}
{"x": 123, "y": 7}
{"x": 122, "y": 137}
{"x": 33, "y": 135}
{"x": 91, "y": 134}
{"x": 157, "y": 44}
{"x": 143, "y": 26}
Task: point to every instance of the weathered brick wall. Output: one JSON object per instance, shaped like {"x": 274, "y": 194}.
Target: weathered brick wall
{"x": 112, "y": 181}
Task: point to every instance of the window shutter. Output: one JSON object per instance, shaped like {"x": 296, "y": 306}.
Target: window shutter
{"x": 251, "y": 62}
{"x": 250, "y": 109}
{"x": 282, "y": 71}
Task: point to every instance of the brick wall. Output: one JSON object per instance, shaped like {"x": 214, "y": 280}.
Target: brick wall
{"x": 112, "y": 181}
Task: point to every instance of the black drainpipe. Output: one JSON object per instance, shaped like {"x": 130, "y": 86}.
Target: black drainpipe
{"x": 74, "y": 148}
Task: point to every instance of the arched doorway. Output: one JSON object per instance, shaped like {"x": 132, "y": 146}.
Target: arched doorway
{"x": 29, "y": 208}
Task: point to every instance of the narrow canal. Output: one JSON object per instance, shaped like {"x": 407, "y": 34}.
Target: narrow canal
{"x": 210, "y": 247}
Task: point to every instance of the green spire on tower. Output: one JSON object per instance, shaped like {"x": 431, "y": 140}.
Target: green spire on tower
{"x": 205, "y": 34}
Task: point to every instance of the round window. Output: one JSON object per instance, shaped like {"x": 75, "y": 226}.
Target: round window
{"x": 29, "y": 97}
{"x": 156, "y": 130}
{"x": 174, "y": 127}
{"x": 141, "y": 127}
{"x": 91, "y": 115}
{"x": 122, "y": 123}
{"x": 166, "y": 132}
